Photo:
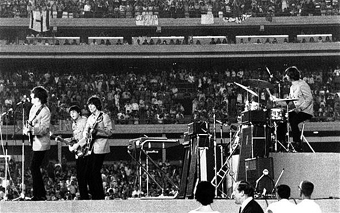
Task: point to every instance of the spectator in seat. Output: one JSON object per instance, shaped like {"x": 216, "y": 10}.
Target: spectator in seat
{"x": 67, "y": 42}
{"x": 108, "y": 42}
{"x": 74, "y": 42}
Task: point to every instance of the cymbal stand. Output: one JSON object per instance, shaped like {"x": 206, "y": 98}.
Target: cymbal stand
{"x": 276, "y": 140}
{"x": 215, "y": 150}
{"x": 221, "y": 147}
{"x": 5, "y": 152}
{"x": 289, "y": 144}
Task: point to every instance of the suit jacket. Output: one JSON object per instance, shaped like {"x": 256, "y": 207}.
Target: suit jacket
{"x": 104, "y": 128}
{"x": 41, "y": 128}
{"x": 252, "y": 207}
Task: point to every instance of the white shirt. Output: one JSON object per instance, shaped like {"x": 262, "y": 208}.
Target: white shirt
{"x": 308, "y": 206}
{"x": 282, "y": 206}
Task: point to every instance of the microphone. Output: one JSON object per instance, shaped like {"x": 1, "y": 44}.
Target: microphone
{"x": 23, "y": 100}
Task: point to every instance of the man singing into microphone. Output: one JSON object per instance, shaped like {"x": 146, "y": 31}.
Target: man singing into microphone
{"x": 38, "y": 129}
{"x": 303, "y": 106}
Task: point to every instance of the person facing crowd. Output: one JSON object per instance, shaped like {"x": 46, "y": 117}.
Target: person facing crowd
{"x": 96, "y": 132}
{"x": 283, "y": 205}
{"x": 307, "y": 204}
{"x": 78, "y": 125}
{"x": 205, "y": 194}
{"x": 38, "y": 130}
{"x": 244, "y": 196}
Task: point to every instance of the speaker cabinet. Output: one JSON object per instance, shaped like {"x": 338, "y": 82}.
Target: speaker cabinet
{"x": 254, "y": 169}
{"x": 254, "y": 139}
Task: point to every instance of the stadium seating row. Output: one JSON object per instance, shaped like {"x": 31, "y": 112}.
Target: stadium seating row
{"x": 169, "y": 40}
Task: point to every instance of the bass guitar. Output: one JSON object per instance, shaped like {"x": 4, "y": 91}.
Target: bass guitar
{"x": 58, "y": 138}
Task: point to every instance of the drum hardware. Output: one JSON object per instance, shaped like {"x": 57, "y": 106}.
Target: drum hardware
{"x": 290, "y": 146}
{"x": 278, "y": 114}
{"x": 249, "y": 106}
{"x": 259, "y": 83}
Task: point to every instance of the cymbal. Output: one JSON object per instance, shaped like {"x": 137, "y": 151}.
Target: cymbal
{"x": 285, "y": 99}
{"x": 246, "y": 88}
{"x": 258, "y": 83}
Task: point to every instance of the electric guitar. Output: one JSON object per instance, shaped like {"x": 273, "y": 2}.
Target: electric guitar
{"x": 90, "y": 136}
{"x": 29, "y": 132}
{"x": 58, "y": 138}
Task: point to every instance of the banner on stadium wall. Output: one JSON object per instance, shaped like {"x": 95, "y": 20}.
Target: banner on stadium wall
{"x": 40, "y": 21}
{"x": 207, "y": 18}
{"x": 146, "y": 20}
{"x": 238, "y": 20}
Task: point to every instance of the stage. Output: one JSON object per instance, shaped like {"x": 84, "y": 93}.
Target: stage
{"x": 138, "y": 205}
{"x": 320, "y": 168}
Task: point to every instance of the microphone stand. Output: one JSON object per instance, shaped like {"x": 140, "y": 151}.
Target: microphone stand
{"x": 278, "y": 81}
{"x": 5, "y": 151}
{"x": 22, "y": 195}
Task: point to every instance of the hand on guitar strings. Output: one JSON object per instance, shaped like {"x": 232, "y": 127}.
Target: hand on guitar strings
{"x": 73, "y": 148}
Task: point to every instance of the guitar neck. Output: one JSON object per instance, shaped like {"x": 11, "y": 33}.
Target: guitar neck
{"x": 59, "y": 139}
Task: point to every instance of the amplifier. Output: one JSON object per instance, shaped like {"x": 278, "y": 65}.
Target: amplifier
{"x": 254, "y": 170}
{"x": 198, "y": 127}
{"x": 254, "y": 116}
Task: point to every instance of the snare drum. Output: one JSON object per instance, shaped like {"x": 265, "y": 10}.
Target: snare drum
{"x": 277, "y": 114}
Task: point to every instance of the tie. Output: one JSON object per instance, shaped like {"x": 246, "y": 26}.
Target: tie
{"x": 239, "y": 211}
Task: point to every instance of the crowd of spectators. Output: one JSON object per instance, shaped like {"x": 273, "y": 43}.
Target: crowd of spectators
{"x": 177, "y": 94}
{"x": 168, "y": 8}
{"x": 120, "y": 181}
{"x": 183, "y": 40}
{"x": 157, "y": 96}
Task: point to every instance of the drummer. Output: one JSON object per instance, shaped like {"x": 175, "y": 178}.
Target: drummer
{"x": 302, "y": 108}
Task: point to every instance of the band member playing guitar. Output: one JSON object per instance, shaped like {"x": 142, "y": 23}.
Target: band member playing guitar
{"x": 97, "y": 130}
{"x": 78, "y": 126}
{"x": 302, "y": 107}
{"x": 38, "y": 126}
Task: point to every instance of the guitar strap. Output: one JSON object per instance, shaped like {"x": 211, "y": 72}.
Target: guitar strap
{"x": 94, "y": 126}
{"x": 36, "y": 114}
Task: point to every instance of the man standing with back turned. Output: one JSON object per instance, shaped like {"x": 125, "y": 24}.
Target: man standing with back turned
{"x": 307, "y": 205}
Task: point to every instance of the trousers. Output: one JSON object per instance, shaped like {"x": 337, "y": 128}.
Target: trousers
{"x": 38, "y": 183}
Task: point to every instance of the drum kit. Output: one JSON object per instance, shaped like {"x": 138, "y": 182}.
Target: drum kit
{"x": 275, "y": 115}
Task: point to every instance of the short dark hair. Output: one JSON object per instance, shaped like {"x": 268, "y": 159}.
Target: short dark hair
{"x": 307, "y": 188}
{"x": 205, "y": 193}
{"x": 283, "y": 191}
{"x": 95, "y": 101}
{"x": 293, "y": 73}
{"x": 41, "y": 93}
{"x": 75, "y": 108}
{"x": 246, "y": 187}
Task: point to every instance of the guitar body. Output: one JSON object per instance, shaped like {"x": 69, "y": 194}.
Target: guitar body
{"x": 90, "y": 136}
{"x": 29, "y": 133}
{"x": 89, "y": 143}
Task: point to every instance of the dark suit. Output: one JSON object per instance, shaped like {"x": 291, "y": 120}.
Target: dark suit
{"x": 252, "y": 207}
